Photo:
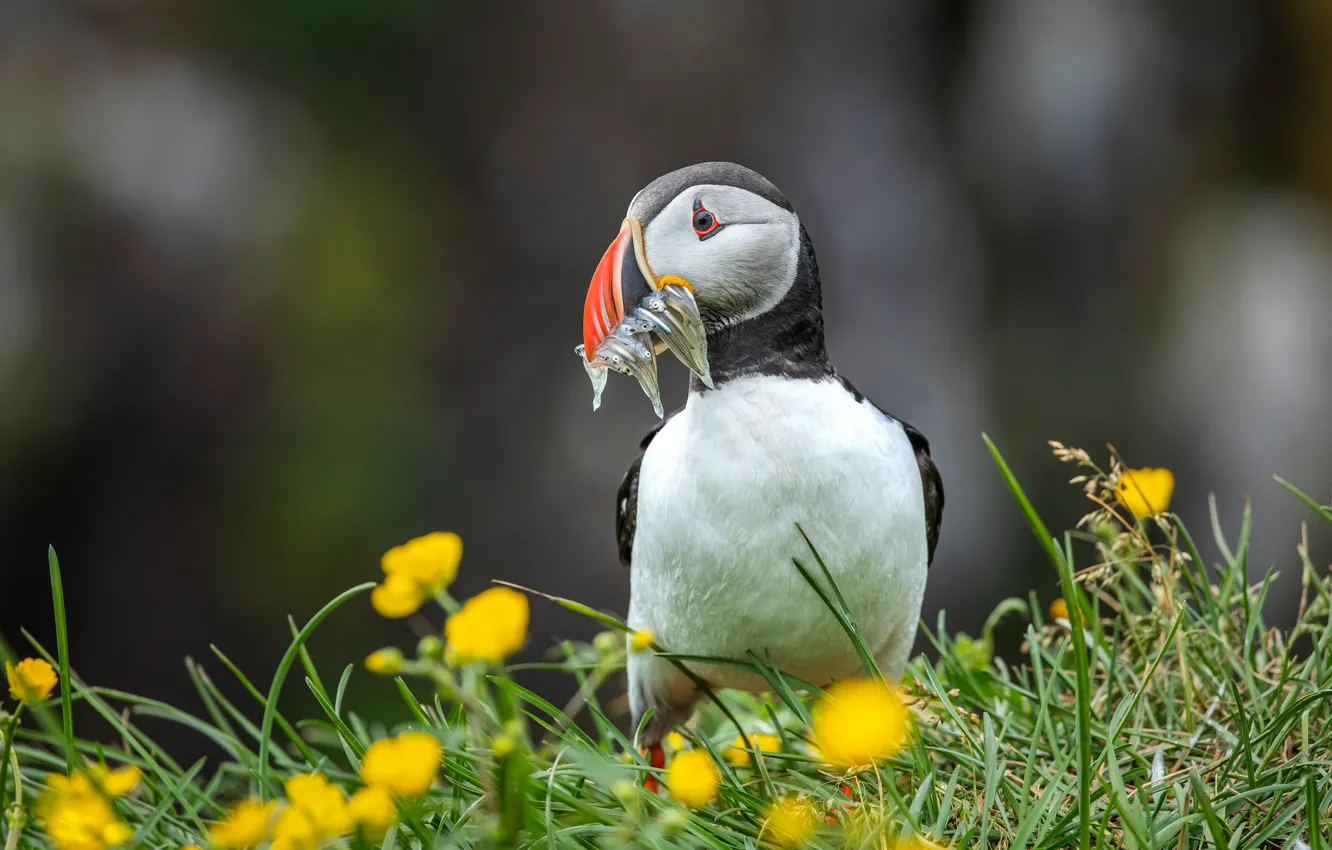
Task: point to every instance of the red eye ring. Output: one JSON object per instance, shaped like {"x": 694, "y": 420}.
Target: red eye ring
{"x": 705, "y": 223}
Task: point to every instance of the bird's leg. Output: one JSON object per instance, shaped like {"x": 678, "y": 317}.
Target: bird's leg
{"x": 660, "y": 699}
{"x": 656, "y": 756}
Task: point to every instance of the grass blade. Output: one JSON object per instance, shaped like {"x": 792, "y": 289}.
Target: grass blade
{"x": 1073, "y": 599}
{"x": 843, "y": 619}
{"x": 1325, "y": 511}
{"x": 840, "y": 609}
{"x": 288, "y": 658}
{"x": 62, "y": 657}
{"x": 1204, "y": 800}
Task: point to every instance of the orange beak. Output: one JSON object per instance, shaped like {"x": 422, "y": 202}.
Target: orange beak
{"x": 622, "y": 277}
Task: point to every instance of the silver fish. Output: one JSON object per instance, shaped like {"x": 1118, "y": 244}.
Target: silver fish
{"x": 668, "y": 317}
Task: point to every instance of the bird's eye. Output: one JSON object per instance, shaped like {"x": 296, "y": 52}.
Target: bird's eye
{"x": 705, "y": 223}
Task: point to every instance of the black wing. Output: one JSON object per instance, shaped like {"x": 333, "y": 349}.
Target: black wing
{"x": 930, "y": 481}
{"x": 626, "y": 500}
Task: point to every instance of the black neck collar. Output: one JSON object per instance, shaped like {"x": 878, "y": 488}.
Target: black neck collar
{"x": 785, "y": 341}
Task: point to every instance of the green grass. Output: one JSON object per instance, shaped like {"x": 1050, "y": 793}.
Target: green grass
{"x": 1162, "y": 713}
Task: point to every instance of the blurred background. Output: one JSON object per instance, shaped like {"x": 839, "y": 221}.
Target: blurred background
{"x": 286, "y": 282}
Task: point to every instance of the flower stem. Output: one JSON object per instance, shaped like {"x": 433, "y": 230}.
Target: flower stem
{"x": 17, "y": 820}
{"x": 4, "y": 756}
{"x": 447, "y": 602}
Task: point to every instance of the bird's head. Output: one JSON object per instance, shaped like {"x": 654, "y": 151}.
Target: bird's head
{"x": 720, "y": 228}
{"x": 712, "y": 262}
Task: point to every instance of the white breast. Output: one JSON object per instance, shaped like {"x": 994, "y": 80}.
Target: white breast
{"x": 721, "y": 490}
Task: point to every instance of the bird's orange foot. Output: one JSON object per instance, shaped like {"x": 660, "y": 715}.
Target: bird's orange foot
{"x": 656, "y": 757}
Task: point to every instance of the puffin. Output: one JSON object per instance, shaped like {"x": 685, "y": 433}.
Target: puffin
{"x": 774, "y": 452}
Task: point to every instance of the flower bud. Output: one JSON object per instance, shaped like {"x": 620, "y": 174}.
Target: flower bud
{"x": 384, "y": 662}
{"x": 430, "y": 646}
{"x": 641, "y": 641}
{"x": 503, "y": 746}
{"x": 624, "y": 791}
{"x": 673, "y": 821}
{"x": 606, "y": 643}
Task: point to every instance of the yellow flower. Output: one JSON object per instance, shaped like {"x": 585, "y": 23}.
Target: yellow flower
{"x": 858, "y": 722}
{"x": 789, "y": 822}
{"x": 676, "y": 742}
{"x": 31, "y": 680}
{"x": 1145, "y": 492}
{"x": 321, "y": 802}
{"x": 430, "y": 561}
{"x": 77, "y": 817}
{"x": 916, "y": 842}
{"x": 373, "y": 810}
{"x": 294, "y": 831}
{"x": 397, "y": 597}
{"x": 692, "y": 778}
{"x": 115, "y": 783}
{"x": 69, "y": 786}
{"x": 490, "y": 627}
{"x": 414, "y": 571}
{"x": 641, "y": 640}
{"x": 384, "y": 662}
{"x": 1059, "y": 610}
{"x": 244, "y": 826}
{"x": 116, "y": 833}
{"x": 404, "y": 766}
{"x": 738, "y": 753}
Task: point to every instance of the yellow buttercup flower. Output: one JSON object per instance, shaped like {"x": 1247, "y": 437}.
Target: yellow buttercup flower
{"x": 373, "y": 811}
{"x": 693, "y": 779}
{"x": 397, "y": 597}
{"x": 676, "y": 742}
{"x": 77, "y": 816}
{"x": 404, "y": 766}
{"x": 31, "y": 680}
{"x": 430, "y": 561}
{"x": 294, "y": 831}
{"x": 384, "y": 662}
{"x": 858, "y": 722}
{"x": 321, "y": 802}
{"x": 69, "y": 786}
{"x": 1059, "y": 610}
{"x": 244, "y": 826}
{"x": 641, "y": 640}
{"x": 115, "y": 783}
{"x": 789, "y": 822}
{"x": 738, "y": 753}
{"x": 1145, "y": 492}
{"x": 490, "y": 627}
{"x": 414, "y": 571}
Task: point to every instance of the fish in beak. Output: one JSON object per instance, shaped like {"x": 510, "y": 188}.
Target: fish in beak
{"x": 630, "y": 316}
